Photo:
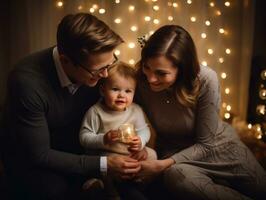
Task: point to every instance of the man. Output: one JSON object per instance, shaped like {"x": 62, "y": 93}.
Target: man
{"x": 48, "y": 94}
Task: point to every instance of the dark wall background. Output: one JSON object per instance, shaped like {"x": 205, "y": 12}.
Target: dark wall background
{"x": 258, "y": 65}
{"x": 4, "y": 47}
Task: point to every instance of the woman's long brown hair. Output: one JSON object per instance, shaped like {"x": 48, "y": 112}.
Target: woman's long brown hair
{"x": 176, "y": 44}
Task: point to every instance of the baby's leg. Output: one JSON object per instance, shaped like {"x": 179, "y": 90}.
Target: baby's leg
{"x": 152, "y": 155}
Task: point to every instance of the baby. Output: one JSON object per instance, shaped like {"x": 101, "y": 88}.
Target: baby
{"x": 103, "y": 122}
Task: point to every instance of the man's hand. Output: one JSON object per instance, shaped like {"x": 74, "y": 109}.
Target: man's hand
{"x": 111, "y": 137}
{"x": 134, "y": 144}
{"x": 123, "y": 166}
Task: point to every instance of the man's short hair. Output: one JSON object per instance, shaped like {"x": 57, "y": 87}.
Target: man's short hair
{"x": 81, "y": 34}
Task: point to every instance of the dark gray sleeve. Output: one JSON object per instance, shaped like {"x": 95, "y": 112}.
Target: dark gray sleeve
{"x": 207, "y": 119}
{"x": 27, "y": 110}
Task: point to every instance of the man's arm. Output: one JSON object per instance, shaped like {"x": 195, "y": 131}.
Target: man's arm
{"x": 27, "y": 120}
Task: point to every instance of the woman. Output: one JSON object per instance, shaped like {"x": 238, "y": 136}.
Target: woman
{"x": 201, "y": 156}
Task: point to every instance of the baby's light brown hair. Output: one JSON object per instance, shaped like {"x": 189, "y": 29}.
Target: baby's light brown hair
{"x": 123, "y": 69}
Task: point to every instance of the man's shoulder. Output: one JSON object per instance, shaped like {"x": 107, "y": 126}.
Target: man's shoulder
{"x": 32, "y": 65}
{"x": 41, "y": 57}
{"x": 32, "y": 72}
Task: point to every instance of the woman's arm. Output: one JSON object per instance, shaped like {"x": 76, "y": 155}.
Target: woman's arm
{"x": 154, "y": 167}
{"x": 207, "y": 119}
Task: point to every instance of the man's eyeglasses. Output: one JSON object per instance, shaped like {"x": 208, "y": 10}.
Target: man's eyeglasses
{"x": 101, "y": 70}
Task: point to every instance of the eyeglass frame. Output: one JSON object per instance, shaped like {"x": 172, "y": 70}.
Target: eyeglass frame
{"x": 94, "y": 73}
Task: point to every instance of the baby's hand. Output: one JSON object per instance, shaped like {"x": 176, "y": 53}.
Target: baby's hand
{"x": 111, "y": 137}
{"x": 135, "y": 144}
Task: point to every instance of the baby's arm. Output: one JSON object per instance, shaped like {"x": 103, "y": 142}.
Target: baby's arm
{"x": 111, "y": 137}
{"x": 88, "y": 135}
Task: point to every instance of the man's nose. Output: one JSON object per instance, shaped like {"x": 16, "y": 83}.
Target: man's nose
{"x": 104, "y": 73}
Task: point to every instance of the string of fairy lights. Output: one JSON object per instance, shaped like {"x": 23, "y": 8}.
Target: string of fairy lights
{"x": 132, "y": 19}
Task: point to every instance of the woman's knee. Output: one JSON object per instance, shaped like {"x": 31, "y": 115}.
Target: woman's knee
{"x": 178, "y": 179}
{"x": 174, "y": 176}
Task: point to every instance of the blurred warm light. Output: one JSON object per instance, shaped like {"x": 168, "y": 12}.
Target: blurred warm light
{"x": 175, "y": 5}
{"x": 131, "y": 8}
{"x": 189, "y": 1}
{"x": 102, "y": 11}
{"x": 258, "y": 128}
{"x": 147, "y": 18}
{"x": 169, "y": 3}
{"x": 95, "y": 6}
{"x": 227, "y": 115}
{"x": 208, "y": 23}
{"x": 203, "y": 35}
{"x": 263, "y": 74}
{"x": 117, "y": 1}
{"x": 92, "y": 10}
{"x": 170, "y": 18}
{"x": 262, "y": 94}
{"x": 212, "y": 4}
{"x": 151, "y": 32}
{"x": 193, "y": 19}
{"x": 156, "y": 7}
{"x": 227, "y": 90}
{"x": 227, "y": 3}
{"x": 261, "y": 109}
{"x": 228, "y": 107}
{"x": 117, "y": 52}
{"x": 249, "y": 126}
{"x": 204, "y": 63}
{"x": 223, "y": 75}
{"x": 221, "y": 60}
{"x": 131, "y": 45}
{"x": 218, "y": 12}
{"x": 133, "y": 28}
{"x": 258, "y": 135}
{"x": 131, "y": 61}
{"x": 221, "y": 30}
{"x": 59, "y": 4}
{"x": 224, "y": 105}
{"x": 228, "y": 51}
{"x": 80, "y": 8}
{"x": 156, "y": 21}
{"x": 118, "y": 20}
{"x": 210, "y": 51}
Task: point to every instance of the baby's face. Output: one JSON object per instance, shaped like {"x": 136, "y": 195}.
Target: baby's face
{"x": 118, "y": 92}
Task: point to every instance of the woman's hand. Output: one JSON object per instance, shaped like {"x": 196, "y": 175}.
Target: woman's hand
{"x": 151, "y": 168}
{"x": 134, "y": 144}
{"x": 140, "y": 155}
{"x": 111, "y": 137}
